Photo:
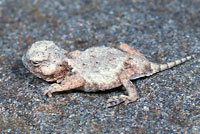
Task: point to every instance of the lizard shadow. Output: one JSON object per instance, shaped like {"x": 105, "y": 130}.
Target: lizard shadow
{"x": 117, "y": 89}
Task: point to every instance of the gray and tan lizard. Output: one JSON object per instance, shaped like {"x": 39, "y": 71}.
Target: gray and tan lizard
{"x": 95, "y": 69}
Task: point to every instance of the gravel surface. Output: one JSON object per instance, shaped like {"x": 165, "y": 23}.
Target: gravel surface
{"x": 164, "y": 30}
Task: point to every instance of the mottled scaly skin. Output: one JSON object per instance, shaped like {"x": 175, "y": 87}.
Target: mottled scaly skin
{"x": 95, "y": 69}
{"x": 100, "y": 67}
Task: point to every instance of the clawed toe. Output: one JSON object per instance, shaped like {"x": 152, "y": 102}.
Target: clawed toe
{"x": 48, "y": 93}
{"x": 116, "y": 100}
{"x": 126, "y": 99}
{"x": 53, "y": 88}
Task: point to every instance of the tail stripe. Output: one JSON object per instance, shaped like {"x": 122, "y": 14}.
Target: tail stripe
{"x": 168, "y": 65}
{"x": 182, "y": 60}
{"x": 160, "y": 67}
{"x": 179, "y": 61}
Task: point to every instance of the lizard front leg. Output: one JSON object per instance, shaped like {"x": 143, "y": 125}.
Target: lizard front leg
{"x": 69, "y": 83}
{"x": 130, "y": 88}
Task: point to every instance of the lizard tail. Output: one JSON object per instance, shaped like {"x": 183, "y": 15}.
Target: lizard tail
{"x": 161, "y": 67}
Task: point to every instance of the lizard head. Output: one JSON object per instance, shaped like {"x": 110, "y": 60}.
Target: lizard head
{"x": 45, "y": 60}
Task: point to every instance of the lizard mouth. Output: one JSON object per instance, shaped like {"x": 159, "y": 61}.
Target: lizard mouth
{"x": 49, "y": 78}
{"x": 60, "y": 73}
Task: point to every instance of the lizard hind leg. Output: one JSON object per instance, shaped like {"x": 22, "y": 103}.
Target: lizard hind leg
{"x": 126, "y": 48}
{"x": 130, "y": 88}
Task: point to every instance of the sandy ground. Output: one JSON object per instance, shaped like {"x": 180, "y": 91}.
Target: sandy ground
{"x": 164, "y": 30}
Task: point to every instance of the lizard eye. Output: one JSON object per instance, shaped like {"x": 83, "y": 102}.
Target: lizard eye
{"x": 35, "y": 63}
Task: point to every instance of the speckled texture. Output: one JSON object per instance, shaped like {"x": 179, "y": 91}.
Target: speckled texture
{"x": 45, "y": 60}
{"x": 100, "y": 65}
{"x": 169, "y": 101}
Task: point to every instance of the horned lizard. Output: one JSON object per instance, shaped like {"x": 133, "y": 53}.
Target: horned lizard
{"x": 95, "y": 69}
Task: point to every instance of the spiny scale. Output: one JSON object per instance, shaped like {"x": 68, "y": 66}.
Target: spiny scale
{"x": 161, "y": 67}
